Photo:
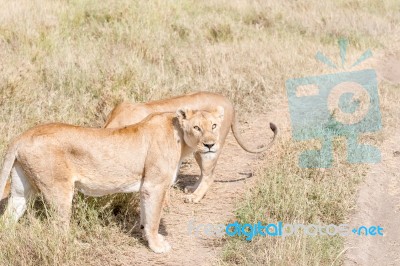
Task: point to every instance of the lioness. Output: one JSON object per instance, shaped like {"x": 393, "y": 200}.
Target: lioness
{"x": 127, "y": 114}
{"x": 54, "y": 159}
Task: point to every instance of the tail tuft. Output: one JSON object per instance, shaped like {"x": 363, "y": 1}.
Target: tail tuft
{"x": 274, "y": 128}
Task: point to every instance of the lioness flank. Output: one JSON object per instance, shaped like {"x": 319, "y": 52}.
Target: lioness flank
{"x": 54, "y": 159}
{"x": 127, "y": 113}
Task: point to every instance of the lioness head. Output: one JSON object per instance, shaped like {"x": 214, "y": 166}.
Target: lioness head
{"x": 201, "y": 129}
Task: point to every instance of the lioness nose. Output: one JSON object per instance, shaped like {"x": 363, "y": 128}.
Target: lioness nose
{"x": 209, "y": 146}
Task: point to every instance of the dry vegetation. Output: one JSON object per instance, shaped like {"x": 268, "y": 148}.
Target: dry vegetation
{"x": 72, "y": 61}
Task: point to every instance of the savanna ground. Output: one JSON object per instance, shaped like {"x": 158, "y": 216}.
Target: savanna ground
{"x": 72, "y": 61}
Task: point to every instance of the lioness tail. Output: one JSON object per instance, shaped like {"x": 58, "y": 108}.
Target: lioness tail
{"x": 7, "y": 166}
{"x": 239, "y": 139}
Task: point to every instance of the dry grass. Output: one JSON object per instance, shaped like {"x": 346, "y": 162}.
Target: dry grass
{"x": 286, "y": 193}
{"x": 99, "y": 227}
{"x": 72, "y": 61}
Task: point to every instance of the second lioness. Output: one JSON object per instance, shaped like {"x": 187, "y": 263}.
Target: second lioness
{"x": 128, "y": 113}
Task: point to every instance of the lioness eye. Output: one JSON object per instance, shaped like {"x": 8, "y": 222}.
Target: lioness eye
{"x": 197, "y": 128}
{"x": 214, "y": 126}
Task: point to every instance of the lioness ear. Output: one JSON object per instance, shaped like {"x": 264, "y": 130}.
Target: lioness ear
{"x": 219, "y": 112}
{"x": 183, "y": 113}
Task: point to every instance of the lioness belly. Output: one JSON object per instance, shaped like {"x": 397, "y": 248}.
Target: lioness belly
{"x": 106, "y": 188}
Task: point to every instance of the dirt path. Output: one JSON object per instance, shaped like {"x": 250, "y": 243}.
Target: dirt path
{"x": 379, "y": 204}
{"x": 233, "y": 177}
{"x": 378, "y": 200}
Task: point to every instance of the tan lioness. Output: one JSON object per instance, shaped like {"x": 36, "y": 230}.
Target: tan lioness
{"x": 54, "y": 159}
{"x": 128, "y": 113}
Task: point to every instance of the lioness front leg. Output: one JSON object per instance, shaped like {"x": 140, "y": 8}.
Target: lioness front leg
{"x": 151, "y": 202}
{"x": 198, "y": 190}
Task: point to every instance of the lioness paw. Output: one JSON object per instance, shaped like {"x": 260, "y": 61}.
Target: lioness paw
{"x": 189, "y": 189}
{"x": 192, "y": 199}
{"x": 160, "y": 245}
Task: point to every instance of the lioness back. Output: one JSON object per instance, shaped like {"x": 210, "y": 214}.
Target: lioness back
{"x": 127, "y": 113}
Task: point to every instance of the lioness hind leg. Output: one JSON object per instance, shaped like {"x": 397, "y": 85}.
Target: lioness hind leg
{"x": 151, "y": 200}
{"x": 207, "y": 166}
{"x": 59, "y": 196}
{"x": 21, "y": 192}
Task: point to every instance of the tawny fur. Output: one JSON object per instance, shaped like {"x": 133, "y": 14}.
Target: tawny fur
{"x": 55, "y": 159}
